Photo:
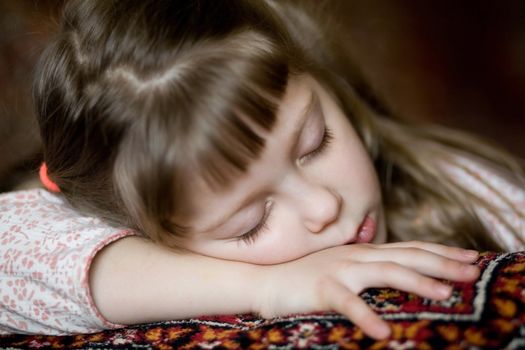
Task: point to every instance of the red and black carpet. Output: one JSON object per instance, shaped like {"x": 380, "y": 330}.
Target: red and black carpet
{"x": 487, "y": 314}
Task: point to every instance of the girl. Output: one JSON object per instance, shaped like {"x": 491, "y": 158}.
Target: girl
{"x": 212, "y": 157}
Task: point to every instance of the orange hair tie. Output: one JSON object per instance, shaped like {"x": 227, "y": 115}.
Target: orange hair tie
{"x": 46, "y": 181}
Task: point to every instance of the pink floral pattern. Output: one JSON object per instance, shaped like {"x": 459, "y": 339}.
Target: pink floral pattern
{"x": 46, "y": 249}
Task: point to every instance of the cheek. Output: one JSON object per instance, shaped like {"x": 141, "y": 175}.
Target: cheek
{"x": 350, "y": 156}
{"x": 278, "y": 246}
{"x": 351, "y": 164}
{"x": 270, "y": 248}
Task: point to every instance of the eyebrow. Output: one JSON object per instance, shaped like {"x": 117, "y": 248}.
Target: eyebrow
{"x": 303, "y": 117}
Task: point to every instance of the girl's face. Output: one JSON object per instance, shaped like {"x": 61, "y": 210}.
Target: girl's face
{"x": 313, "y": 187}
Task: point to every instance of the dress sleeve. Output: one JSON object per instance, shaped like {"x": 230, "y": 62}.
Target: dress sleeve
{"x": 494, "y": 186}
{"x": 46, "y": 249}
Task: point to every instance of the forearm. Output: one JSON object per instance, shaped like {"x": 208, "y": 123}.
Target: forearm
{"x": 135, "y": 281}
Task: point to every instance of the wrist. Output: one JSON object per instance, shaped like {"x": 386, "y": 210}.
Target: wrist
{"x": 265, "y": 286}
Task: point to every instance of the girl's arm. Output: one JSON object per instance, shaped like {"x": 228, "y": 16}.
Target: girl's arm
{"x": 135, "y": 281}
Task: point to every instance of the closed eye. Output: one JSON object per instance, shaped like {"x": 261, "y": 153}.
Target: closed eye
{"x": 325, "y": 141}
{"x": 250, "y": 236}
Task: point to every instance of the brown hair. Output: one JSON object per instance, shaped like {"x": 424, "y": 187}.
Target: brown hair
{"x": 136, "y": 98}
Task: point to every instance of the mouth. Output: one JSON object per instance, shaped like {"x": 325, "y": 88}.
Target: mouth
{"x": 365, "y": 232}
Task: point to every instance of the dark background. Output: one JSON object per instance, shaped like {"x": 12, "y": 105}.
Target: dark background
{"x": 457, "y": 63}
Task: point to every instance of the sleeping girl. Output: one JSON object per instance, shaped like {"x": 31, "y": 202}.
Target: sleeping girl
{"x": 211, "y": 157}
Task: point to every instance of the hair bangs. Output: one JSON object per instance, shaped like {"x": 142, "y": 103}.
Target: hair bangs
{"x": 239, "y": 117}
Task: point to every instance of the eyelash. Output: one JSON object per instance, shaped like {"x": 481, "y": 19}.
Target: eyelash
{"x": 251, "y": 236}
{"x": 327, "y": 139}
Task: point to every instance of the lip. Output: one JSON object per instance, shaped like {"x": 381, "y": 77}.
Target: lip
{"x": 366, "y": 231}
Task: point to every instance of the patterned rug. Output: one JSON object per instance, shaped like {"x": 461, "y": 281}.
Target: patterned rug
{"x": 487, "y": 314}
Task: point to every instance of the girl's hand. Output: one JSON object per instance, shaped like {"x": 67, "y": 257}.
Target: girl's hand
{"x": 332, "y": 279}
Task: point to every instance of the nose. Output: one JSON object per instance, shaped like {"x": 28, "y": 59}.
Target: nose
{"x": 318, "y": 205}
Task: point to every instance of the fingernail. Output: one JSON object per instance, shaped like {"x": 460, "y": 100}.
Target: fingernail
{"x": 471, "y": 270}
{"x": 444, "y": 290}
{"x": 383, "y": 330}
{"x": 471, "y": 253}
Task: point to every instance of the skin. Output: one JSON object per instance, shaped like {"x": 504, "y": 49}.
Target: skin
{"x": 314, "y": 200}
{"x": 302, "y": 261}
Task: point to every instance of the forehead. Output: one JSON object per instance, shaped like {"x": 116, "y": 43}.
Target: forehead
{"x": 208, "y": 202}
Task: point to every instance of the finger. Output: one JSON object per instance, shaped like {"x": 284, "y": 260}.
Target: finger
{"x": 424, "y": 262}
{"x": 456, "y": 253}
{"x": 392, "y": 275}
{"x": 339, "y": 298}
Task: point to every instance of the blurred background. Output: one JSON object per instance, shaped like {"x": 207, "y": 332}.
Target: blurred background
{"x": 456, "y": 63}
